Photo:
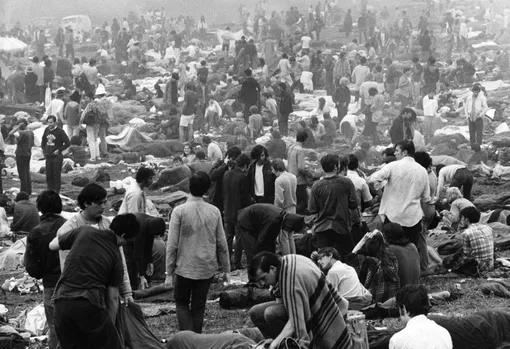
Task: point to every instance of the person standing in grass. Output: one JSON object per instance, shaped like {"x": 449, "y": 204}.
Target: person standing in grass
{"x": 196, "y": 247}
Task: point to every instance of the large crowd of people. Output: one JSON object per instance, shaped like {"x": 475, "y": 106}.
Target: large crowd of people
{"x": 249, "y": 204}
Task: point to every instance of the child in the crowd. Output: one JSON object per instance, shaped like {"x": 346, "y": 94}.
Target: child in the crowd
{"x": 77, "y": 151}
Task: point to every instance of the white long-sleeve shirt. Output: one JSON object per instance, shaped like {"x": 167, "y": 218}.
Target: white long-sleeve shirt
{"x": 406, "y": 188}
{"x": 285, "y": 191}
{"x": 422, "y": 333}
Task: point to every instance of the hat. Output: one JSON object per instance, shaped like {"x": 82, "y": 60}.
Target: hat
{"x": 100, "y": 90}
{"x": 394, "y": 234}
{"x": 30, "y": 70}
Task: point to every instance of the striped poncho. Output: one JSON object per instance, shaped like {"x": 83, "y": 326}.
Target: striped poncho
{"x": 314, "y": 306}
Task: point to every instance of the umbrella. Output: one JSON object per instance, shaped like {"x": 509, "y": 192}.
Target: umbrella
{"x": 11, "y": 45}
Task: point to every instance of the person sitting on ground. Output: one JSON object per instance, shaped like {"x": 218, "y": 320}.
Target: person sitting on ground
{"x": 310, "y": 140}
{"x": 388, "y": 155}
{"x": 311, "y": 310}
{"x": 484, "y": 329}
{"x": 213, "y": 150}
{"x": 457, "y": 204}
{"x": 457, "y": 176}
{"x": 77, "y": 151}
{"x": 317, "y": 128}
{"x": 276, "y": 147}
{"x": 349, "y": 129}
{"x": 134, "y": 201}
{"x": 271, "y": 104}
{"x": 477, "y": 239}
{"x": 420, "y": 332}
{"x": 255, "y": 122}
{"x": 25, "y": 216}
{"x": 343, "y": 278}
{"x": 4, "y": 222}
{"x": 376, "y": 266}
{"x": 406, "y": 253}
{"x": 201, "y": 164}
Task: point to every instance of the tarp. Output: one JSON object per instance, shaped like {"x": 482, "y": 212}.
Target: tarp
{"x": 12, "y": 258}
{"x": 128, "y": 139}
{"x": 134, "y": 331}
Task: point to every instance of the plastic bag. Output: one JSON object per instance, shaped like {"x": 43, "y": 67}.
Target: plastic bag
{"x": 36, "y": 320}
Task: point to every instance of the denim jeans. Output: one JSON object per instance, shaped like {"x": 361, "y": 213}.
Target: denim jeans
{"x": 302, "y": 199}
{"x": 48, "y": 310}
{"x": 270, "y": 318}
{"x": 190, "y": 298}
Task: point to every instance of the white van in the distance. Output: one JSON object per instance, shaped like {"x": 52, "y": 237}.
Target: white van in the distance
{"x": 79, "y": 23}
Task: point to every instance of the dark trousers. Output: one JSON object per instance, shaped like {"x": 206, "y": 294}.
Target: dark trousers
{"x": 283, "y": 124}
{"x": 299, "y": 85}
{"x": 343, "y": 243}
{"x": 414, "y": 234}
{"x": 463, "y": 179}
{"x": 302, "y": 199}
{"x": 249, "y": 245}
{"x": 80, "y": 325}
{"x": 270, "y": 318}
{"x": 231, "y": 232}
{"x": 23, "y": 165}
{"x": 54, "y": 172}
{"x": 190, "y": 298}
{"x": 69, "y": 51}
{"x": 342, "y": 111}
{"x": 476, "y": 131}
{"x": 49, "y": 310}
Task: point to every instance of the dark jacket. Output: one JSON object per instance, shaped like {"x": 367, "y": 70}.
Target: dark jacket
{"x": 265, "y": 221}
{"x": 40, "y": 262}
{"x": 277, "y": 148}
{"x": 26, "y": 216}
{"x": 25, "y": 143}
{"x": 138, "y": 253}
{"x": 269, "y": 179}
{"x": 250, "y": 91}
{"x": 397, "y": 131}
{"x": 286, "y": 103}
{"x": 216, "y": 174}
{"x": 236, "y": 193}
{"x": 341, "y": 95}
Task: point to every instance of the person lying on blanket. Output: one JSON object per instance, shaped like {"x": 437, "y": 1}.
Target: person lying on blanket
{"x": 313, "y": 308}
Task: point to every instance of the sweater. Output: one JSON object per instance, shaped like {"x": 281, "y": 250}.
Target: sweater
{"x": 52, "y": 140}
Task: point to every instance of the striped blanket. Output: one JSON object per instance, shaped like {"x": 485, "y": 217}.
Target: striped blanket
{"x": 315, "y": 308}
